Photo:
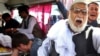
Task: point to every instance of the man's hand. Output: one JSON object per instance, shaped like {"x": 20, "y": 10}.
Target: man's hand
{"x": 15, "y": 52}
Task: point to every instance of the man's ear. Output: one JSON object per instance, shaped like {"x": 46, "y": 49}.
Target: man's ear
{"x": 21, "y": 45}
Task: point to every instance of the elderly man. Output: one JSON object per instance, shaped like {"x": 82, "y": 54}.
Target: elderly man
{"x": 72, "y": 37}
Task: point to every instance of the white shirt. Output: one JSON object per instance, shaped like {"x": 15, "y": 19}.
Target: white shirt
{"x": 62, "y": 37}
{"x": 28, "y": 31}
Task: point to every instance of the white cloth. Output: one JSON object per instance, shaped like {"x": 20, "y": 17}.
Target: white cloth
{"x": 96, "y": 38}
{"x": 5, "y": 40}
{"x": 62, "y": 37}
{"x": 28, "y": 31}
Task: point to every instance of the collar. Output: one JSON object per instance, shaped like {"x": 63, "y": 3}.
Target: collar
{"x": 75, "y": 33}
{"x": 26, "y": 18}
{"x": 70, "y": 29}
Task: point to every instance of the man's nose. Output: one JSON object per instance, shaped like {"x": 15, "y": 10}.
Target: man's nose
{"x": 80, "y": 14}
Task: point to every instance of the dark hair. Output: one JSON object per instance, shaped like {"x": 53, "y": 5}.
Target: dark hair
{"x": 5, "y": 15}
{"x": 19, "y": 38}
{"x": 23, "y": 8}
{"x": 93, "y": 3}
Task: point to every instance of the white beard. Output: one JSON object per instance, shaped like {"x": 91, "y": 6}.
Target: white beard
{"x": 74, "y": 28}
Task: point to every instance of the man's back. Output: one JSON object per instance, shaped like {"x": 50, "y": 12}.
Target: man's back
{"x": 12, "y": 24}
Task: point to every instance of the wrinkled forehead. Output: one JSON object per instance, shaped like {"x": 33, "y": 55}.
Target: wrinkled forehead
{"x": 79, "y": 6}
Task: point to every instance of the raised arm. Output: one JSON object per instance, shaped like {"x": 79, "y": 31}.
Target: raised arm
{"x": 62, "y": 8}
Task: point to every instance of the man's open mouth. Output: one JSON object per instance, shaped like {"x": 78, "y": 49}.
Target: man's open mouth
{"x": 93, "y": 15}
{"x": 79, "y": 21}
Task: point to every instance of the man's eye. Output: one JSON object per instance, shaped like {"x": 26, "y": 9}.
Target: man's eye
{"x": 77, "y": 11}
{"x": 84, "y": 12}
